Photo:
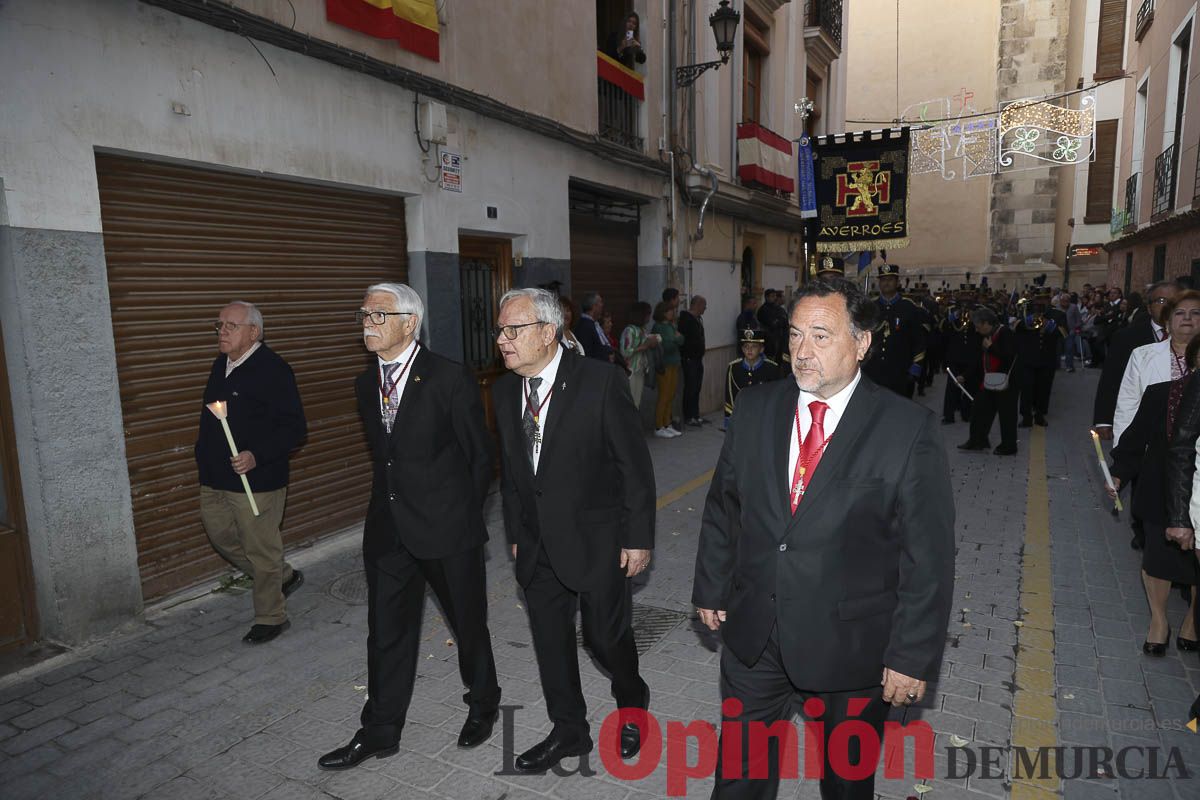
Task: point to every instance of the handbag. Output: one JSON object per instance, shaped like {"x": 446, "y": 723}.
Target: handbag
{"x": 998, "y": 381}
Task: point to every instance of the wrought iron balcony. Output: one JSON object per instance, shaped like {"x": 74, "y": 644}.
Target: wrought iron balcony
{"x": 1131, "y": 201}
{"x": 1163, "y": 199}
{"x": 619, "y": 92}
{"x": 1145, "y": 16}
{"x": 826, "y": 15}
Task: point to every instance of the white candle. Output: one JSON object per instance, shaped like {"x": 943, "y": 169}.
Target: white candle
{"x": 961, "y": 388}
{"x": 1108, "y": 479}
{"x": 220, "y": 411}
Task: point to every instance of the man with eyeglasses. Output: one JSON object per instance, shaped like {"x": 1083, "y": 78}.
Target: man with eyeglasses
{"x": 579, "y": 505}
{"x": 432, "y": 465}
{"x": 267, "y": 421}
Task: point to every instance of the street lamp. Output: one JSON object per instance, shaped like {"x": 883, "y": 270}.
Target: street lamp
{"x": 724, "y": 22}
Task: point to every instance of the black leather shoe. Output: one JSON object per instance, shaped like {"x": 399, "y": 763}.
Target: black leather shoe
{"x": 554, "y": 748}
{"x": 631, "y": 740}
{"x": 477, "y": 729}
{"x": 1137, "y": 542}
{"x": 1187, "y": 645}
{"x": 973, "y": 446}
{"x": 1005, "y": 451}
{"x": 1026, "y": 422}
{"x": 354, "y": 754}
{"x": 1039, "y": 420}
{"x": 1156, "y": 648}
{"x": 295, "y": 583}
{"x": 259, "y": 634}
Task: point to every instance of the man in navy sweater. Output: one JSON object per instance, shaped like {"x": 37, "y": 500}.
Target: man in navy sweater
{"x": 267, "y": 422}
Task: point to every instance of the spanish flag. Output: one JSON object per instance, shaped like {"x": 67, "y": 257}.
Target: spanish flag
{"x": 412, "y": 23}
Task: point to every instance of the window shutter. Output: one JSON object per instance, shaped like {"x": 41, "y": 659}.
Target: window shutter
{"x": 1110, "y": 46}
{"x": 1100, "y": 174}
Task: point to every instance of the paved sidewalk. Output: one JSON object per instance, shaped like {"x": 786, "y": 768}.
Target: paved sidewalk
{"x": 179, "y": 708}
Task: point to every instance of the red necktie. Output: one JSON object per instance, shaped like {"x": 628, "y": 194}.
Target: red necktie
{"x": 811, "y": 449}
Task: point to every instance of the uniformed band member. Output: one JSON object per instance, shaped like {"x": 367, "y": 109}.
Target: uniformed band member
{"x": 751, "y": 369}
{"x": 923, "y": 300}
{"x": 898, "y": 347}
{"x": 829, "y": 267}
{"x": 1041, "y": 332}
{"x": 961, "y": 346}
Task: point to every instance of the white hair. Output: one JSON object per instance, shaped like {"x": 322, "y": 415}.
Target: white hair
{"x": 407, "y": 299}
{"x": 545, "y": 305}
{"x": 253, "y": 315}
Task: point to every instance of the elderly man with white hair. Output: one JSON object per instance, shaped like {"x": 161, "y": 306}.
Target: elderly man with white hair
{"x": 267, "y": 421}
{"x": 432, "y": 465}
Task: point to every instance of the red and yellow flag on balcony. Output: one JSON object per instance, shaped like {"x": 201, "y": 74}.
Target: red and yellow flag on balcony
{"x": 412, "y": 23}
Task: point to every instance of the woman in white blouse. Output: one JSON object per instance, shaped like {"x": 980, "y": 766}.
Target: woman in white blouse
{"x": 1155, "y": 363}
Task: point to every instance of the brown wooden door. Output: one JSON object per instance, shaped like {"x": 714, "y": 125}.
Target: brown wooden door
{"x": 485, "y": 274}
{"x": 18, "y": 620}
{"x": 180, "y": 242}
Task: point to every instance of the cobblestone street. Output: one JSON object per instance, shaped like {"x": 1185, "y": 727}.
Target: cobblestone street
{"x": 1044, "y": 648}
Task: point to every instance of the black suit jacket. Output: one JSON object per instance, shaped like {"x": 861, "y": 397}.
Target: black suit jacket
{"x": 1181, "y": 457}
{"x": 431, "y": 474}
{"x": 1142, "y": 454}
{"x": 1120, "y": 346}
{"x": 593, "y": 493}
{"x": 862, "y": 576}
{"x": 593, "y": 346}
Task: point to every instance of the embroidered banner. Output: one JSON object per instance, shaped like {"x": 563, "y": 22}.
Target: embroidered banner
{"x": 862, "y": 190}
{"x": 412, "y": 23}
{"x": 804, "y": 178}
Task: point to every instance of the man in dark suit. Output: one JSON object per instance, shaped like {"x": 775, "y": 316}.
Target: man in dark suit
{"x": 589, "y": 331}
{"x": 1145, "y": 329}
{"x": 579, "y": 505}
{"x": 432, "y": 461}
{"x": 691, "y": 325}
{"x": 827, "y": 563}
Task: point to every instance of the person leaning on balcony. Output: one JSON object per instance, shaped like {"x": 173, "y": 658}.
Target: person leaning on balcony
{"x": 625, "y": 45}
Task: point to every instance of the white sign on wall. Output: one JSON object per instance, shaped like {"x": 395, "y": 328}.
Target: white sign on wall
{"x": 451, "y": 171}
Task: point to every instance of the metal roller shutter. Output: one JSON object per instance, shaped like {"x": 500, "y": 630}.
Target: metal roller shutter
{"x": 181, "y": 242}
{"x": 604, "y": 260}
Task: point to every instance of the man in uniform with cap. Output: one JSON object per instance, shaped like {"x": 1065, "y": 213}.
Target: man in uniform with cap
{"x": 751, "y": 369}
{"x": 928, "y": 307}
{"x": 898, "y": 348}
{"x": 963, "y": 353}
{"x": 829, "y": 267}
{"x": 1041, "y": 331}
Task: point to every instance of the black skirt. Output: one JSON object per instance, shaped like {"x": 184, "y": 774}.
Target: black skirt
{"x": 1164, "y": 560}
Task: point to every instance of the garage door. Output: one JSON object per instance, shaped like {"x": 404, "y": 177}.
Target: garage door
{"x": 604, "y": 260}
{"x": 180, "y": 243}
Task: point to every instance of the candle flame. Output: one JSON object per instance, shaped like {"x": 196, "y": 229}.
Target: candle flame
{"x": 218, "y": 409}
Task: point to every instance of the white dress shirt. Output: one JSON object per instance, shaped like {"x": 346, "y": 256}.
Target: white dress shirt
{"x": 1194, "y": 505}
{"x": 544, "y": 390}
{"x": 409, "y": 352}
{"x": 1159, "y": 330}
{"x": 1148, "y": 364}
{"x": 230, "y": 366}
{"x": 833, "y": 415}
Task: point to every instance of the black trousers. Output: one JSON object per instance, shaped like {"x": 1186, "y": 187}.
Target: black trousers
{"x": 607, "y": 617}
{"x": 988, "y": 405}
{"x": 953, "y": 400}
{"x": 693, "y": 378}
{"x": 767, "y": 696}
{"x": 1036, "y": 383}
{"x": 395, "y": 601}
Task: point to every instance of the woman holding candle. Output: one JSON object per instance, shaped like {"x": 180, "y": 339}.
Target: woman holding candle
{"x": 1142, "y": 454}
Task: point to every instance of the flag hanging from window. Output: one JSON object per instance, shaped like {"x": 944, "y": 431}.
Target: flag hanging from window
{"x": 412, "y": 23}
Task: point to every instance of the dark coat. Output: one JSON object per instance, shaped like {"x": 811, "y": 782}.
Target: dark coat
{"x": 862, "y": 576}
{"x": 1142, "y": 454}
{"x": 593, "y": 345}
{"x": 593, "y": 493}
{"x": 430, "y": 476}
{"x": 1181, "y": 457}
{"x": 1120, "y": 346}
{"x": 266, "y": 417}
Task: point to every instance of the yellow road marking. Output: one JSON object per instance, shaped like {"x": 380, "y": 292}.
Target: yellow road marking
{"x": 1035, "y": 714}
{"x": 679, "y": 492}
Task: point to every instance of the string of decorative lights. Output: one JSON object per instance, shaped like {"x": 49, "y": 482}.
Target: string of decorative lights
{"x": 994, "y": 112}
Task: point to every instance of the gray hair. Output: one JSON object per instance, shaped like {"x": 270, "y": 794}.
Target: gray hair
{"x": 253, "y": 315}
{"x": 407, "y": 299}
{"x": 545, "y": 305}
{"x": 588, "y": 302}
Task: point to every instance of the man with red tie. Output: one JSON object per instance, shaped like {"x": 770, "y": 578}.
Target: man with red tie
{"x": 827, "y": 563}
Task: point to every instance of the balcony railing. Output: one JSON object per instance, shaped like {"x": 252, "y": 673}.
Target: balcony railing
{"x": 1164, "y": 183}
{"x": 1145, "y": 16}
{"x": 1131, "y": 198}
{"x": 826, "y": 15}
{"x": 619, "y": 91}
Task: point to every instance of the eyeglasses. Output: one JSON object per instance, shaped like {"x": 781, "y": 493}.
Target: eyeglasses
{"x": 379, "y": 317}
{"x": 510, "y": 331}
{"x": 1160, "y": 301}
{"x": 229, "y": 327}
